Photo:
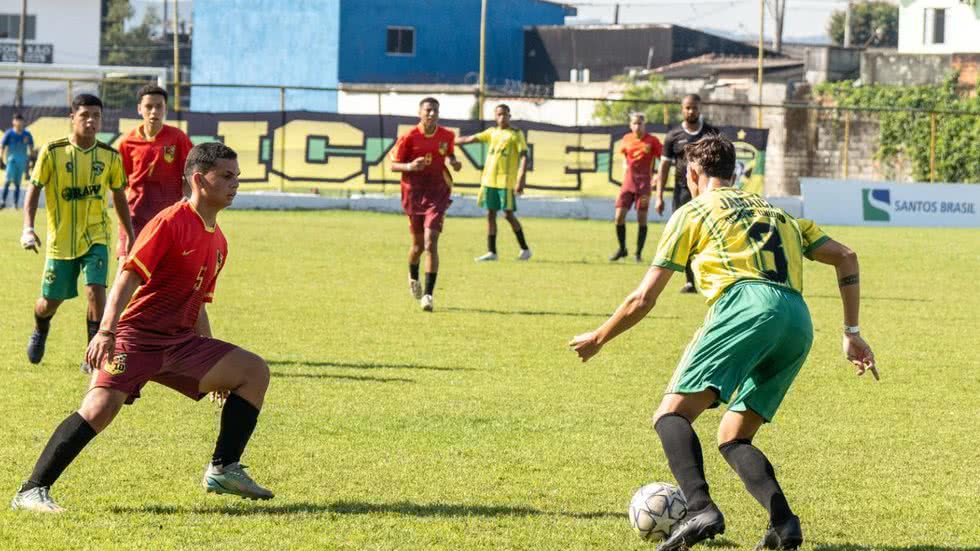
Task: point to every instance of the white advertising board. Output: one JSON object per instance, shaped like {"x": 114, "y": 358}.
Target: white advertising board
{"x": 862, "y": 203}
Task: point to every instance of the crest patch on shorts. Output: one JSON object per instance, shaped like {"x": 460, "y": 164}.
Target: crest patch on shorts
{"x": 117, "y": 366}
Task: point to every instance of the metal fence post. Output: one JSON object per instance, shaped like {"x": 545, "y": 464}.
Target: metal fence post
{"x": 71, "y": 92}
{"x": 282, "y": 145}
{"x": 381, "y": 128}
{"x": 847, "y": 141}
{"x": 932, "y": 147}
{"x": 666, "y": 114}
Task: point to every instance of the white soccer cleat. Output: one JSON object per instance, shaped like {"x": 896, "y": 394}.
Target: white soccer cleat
{"x": 232, "y": 479}
{"x": 489, "y": 257}
{"x": 415, "y": 288}
{"x": 35, "y": 500}
{"x": 525, "y": 254}
{"x": 427, "y": 303}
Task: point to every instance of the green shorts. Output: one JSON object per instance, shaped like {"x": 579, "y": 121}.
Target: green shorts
{"x": 60, "y": 279}
{"x": 754, "y": 340}
{"x": 492, "y": 198}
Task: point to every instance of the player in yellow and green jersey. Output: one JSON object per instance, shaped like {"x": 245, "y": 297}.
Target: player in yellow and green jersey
{"x": 747, "y": 259}
{"x": 503, "y": 178}
{"x": 77, "y": 175}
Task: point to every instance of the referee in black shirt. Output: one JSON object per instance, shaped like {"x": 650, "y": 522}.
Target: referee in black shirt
{"x": 691, "y": 129}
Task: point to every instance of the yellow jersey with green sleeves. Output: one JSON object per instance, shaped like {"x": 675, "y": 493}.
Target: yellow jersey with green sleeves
{"x": 77, "y": 184}
{"x": 505, "y": 146}
{"x": 731, "y": 235}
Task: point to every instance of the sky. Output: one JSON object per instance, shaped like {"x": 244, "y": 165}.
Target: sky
{"x": 804, "y": 18}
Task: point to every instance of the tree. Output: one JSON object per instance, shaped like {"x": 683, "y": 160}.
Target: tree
{"x": 639, "y": 96}
{"x": 873, "y": 23}
{"x": 778, "y": 10}
{"x": 121, "y": 46}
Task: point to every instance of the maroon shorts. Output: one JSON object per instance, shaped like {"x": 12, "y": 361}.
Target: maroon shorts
{"x": 626, "y": 200}
{"x": 426, "y": 206}
{"x": 180, "y": 366}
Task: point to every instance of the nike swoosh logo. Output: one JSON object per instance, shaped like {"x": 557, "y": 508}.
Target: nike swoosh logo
{"x": 185, "y": 253}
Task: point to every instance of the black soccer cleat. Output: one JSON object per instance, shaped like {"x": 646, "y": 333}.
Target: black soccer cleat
{"x": 618, "y": 255}
{"x": 35, "y": 346}
{"x": 787, "y": 536}
{"x": 695, "y": 529}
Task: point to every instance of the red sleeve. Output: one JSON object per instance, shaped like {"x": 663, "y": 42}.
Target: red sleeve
{"x": 452, "y": 143}
{"x": 150, "y": 248}
{"x": 127, "y": 160}
{"x": 402, "y": 149}
{"x": 623, "y": 149}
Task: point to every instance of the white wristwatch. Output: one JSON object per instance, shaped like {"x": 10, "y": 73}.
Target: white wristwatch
{"x": 852, "y": 329}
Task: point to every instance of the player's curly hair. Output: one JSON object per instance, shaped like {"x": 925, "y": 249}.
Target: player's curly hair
{"x": 714, "y": 154}
{"x": 204, "y": 156}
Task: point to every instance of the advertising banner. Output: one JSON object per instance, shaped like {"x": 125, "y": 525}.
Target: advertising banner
{"x": 854, "y": 202}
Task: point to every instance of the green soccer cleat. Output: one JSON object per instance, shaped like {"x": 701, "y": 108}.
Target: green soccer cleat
{"x": 36, "y": 500}
{"x": 232, "y": 479}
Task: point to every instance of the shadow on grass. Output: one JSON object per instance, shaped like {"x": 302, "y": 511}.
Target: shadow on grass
{"x": 720, "y": 543}
{"x": 870, "y": 547}
{"x": 366, "y": 365}
{"x": 865, "y": 298}
{"x": 538, "y": 313}
{"x": 358, "y": 378}
{"x": 404, "y": 508}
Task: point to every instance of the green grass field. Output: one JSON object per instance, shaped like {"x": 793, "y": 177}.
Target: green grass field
{"x": 474, "y": 427}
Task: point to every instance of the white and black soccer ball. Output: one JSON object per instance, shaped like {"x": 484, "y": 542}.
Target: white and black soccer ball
{"x": 655, "y": 509}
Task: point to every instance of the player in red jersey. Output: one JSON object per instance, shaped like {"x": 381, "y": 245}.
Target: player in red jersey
{"x": 420, "y": 155}
{"x": 640, "y": 151}
{"x": 153, "y": 156}
{"x": 164, "y": 336}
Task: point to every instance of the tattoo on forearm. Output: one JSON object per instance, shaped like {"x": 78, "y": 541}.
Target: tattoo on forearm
{"x": 848, "y": 280}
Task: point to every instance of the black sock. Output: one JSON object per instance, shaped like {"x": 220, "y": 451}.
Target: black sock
{"x": 621, "y": 236}
{"x": 68, "y": 440}
{"x": 521, "y": 242}
{"x": 641, "y": 239}
{"x": 238, "y": 419}
{"x": 93, "y": 328}
{"x": 689, "y": 273}
{"x": 430, "y": 282}
{"x": 42, "y": 324}
{"x": 759, "y": 478}
{"x": 683, "y": 451}
{"x": 413, "y": 271}
{"x": 492, "y": 243}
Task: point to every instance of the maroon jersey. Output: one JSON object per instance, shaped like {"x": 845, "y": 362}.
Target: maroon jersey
{"x": 155, "y": 169}
{"x": 640, "y": 155}
{"x": 434, "y": 147}
{"x": 179, "y": 259}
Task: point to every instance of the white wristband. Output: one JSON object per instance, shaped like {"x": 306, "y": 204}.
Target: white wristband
{"x": 852, "y": 329}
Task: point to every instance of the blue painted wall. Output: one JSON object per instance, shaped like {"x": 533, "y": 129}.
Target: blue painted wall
{"x": 324, "y": 42}
{"x": 447, "y": 39}
{"x": 278, "y": 42}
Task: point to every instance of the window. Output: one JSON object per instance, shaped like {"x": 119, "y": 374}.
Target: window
{"x": 401, "y": 41}
{"x": 10, "y": 26}
{"x": 934, "y": 31}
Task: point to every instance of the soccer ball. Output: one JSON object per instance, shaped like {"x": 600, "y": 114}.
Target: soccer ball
{"x": 655, "y": 509}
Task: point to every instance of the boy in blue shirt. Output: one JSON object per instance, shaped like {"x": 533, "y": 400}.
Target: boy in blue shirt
{"x": 18, "y": 147}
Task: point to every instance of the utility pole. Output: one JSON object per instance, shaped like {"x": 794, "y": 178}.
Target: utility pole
{"x": 762, "y": 46}
{"x": 19, "y": 96}
{"x": 616, "y": 15}
{"x": 176, "y": 61}
{"x": 483, "y": 60}
{"x": 847, "y": 25}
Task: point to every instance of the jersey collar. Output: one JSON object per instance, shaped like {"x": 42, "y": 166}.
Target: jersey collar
{"x": 422, "y": 130}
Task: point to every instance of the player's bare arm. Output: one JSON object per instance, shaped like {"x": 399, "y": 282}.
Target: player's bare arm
{"x": 203, "y": 325}
{"x": 29, "y": 239}
{"x": 104, "y": 342}
{"x": 845, "y": 261}
{"x": 661, "y": 182}
{"x": 457, "y": 166}
{"x": 122, "y": 211}
{"x": 521, "y": 173}
{"x": 460, "y": 140}
{"x": 637, "y": 305}
{"x": 415, "y": 165}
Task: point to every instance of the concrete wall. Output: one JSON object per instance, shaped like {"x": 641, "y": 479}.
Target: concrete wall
{"x": 447, "y": 39}
{"x": 275, "y": 42}
{"x": 891, "y": 67}
{"x": 962, "y": 27}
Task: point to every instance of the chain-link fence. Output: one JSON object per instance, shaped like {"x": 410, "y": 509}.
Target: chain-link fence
{"x": 336, "y": 140}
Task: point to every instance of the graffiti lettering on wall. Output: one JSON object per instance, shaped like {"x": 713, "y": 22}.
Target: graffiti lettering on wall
{"x": 349, "y": 152}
